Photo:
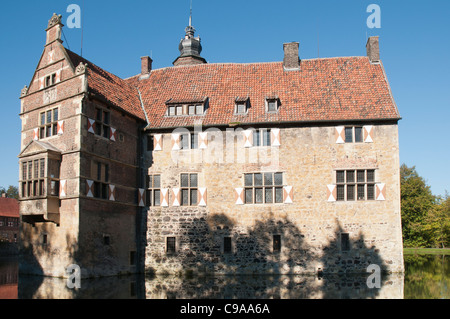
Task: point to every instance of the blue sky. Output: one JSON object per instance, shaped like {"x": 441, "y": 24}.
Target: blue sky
{"x": 414, "y": 45}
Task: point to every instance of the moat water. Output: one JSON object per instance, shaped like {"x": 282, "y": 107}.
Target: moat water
{"x": 426, "y": 277}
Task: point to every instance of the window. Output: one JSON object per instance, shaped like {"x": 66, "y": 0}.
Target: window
{"x": 354, "y": 185}
{"x": 44, "y": 239}
{"x": 189, "y": 184}
{"x": 102, "y": 122}
{"x": 33, "y": 181}
{"x": 345, "y": 242}
{"x": 153, "y": 193}
{"x": 171, "y": 245}
{"x": 353, "y": 134}
{"x": 263, "y": 188}
{"x": 242, "y": 105}
{"x": 276, "y": 243}
{"x": 227, "y": 245}
{"x": 49, "y": 123}
{"x": 100, "y": 175}
{"x": 272, "y": 105}
{"x": 50, "y": 80}
{"x": 106, "y": 240}
{"x": 189, "y": 141}
{"x": 262, "y": 137}
{"x": 186, "y": 109}
{"x": 132, "y": 258}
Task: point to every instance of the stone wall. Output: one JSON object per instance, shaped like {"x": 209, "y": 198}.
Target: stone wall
{"x": 310, "y": 227}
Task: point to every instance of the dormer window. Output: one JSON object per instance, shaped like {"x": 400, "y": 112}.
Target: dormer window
{"x": 272, "y": 104}
{"x": 186, "y": 108}
{"x": 241, "y": 106}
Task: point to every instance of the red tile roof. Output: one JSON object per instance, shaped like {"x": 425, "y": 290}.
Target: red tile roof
{"x": 9, "y": 207}
{"x": 330, "y": 89}
{"x": 110, "y": 87}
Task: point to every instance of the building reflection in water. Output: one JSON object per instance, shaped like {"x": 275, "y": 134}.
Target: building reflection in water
{"x": 9, "y": 279}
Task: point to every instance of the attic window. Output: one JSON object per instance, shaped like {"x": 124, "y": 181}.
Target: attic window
{"x": 50, "y": 80}
{"x": 272, "y": 104}
{"x": 186, "y": 108}
{"x": 241, "y": 106}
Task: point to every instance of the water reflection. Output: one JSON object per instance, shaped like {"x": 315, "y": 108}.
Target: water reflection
{"x": 425, "y": 277}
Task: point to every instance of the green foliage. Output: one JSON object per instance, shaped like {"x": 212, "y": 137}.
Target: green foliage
{"x": 425, "y": 217}
{"x": 11, "y": 192}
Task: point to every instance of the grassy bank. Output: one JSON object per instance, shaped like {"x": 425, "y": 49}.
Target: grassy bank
{"x": 426, "y": 251}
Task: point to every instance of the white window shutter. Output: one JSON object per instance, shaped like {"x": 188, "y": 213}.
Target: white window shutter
{"x": 58, "y": 76}
{"x": 275, "y": 137}
{"x": 176, "y": 197}
{"x": 112, "y": 192}
{"x": 63, "y": 188}
{"x": 288, "y": 195}
{"x": 368, "y": 134}
{"x": 202, "y": 196}
{"x": 91, "y": 126}
{"x": 239, "y": 192}
{"x": 164, "y": 197}
{"x": 331, "y": 193}
{"x": 203, "y": 140}
{"x": 112, "y": 134}
{"x": 41, "y": 83}
{"x": 157, "y": 142}
{"x": 89, "y": 188}
{"x": 141, "y": 197}
{"x": 340, "y": 134}
{"x": 36, "y": 134}
{"x": 380, "y": 191}
{"x": 176, "y": 142}
{"x": 248, "y": 138}
{"x": 60, "y": 128}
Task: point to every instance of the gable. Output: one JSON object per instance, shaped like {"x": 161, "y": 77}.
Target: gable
{"x": 38, "y": 147}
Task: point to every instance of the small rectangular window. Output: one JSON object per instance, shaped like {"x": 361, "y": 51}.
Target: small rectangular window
{"x": 272, "y": 105}
{"x": 227, "y": 245}
{"x": 349, "y": 135}
{"x": 358, "y": 135}
{"x": 276, "y": 243}
{"x": 171, "y": 244}
{"x": 345, "y": 242}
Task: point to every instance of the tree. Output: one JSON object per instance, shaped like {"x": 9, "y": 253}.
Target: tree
{"x": 12, "y": 192}
{"x": 437, "y": 223}
{"x": 417, "y": 201}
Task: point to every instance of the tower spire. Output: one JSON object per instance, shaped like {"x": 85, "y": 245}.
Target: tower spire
{"x": 190, "y": 15}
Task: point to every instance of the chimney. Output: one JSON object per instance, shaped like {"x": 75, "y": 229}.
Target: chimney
{"x": 54, "y": 29}
{"x": 373, "y": 49}
{"x": 146, "y": 66}
{"x": 291, "y": 58}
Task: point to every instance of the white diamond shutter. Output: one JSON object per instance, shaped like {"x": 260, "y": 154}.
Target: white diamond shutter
{"x": 288, "y": 195}
{"x": 176, "y": 142}
{"x": 91, "y": 126}
{"x": 41, "y": 83}
{"x": 202, "y": 197}
{"x": 141, "y": 197}
{"x": 368, "y": 134}
{"x": 275, "y": 137}
{"x": 112, "y": 193}
{"x": 331, "y": 193}
{"x": 63, "y": 188}
{"x": 248, "y": 138}
{"x": 176, "y": 197}
{"x": 239, "y": 192}
{"x": 380, "y": 190}
{"x": 203, "y": 140}
{"x": 60, "y": 128}
{"x": 340, "y": 134}
{"x": 164, "y": 197}
{"x": 89, "y": 188}
{"x": 36, "y": 134}
{"x": 113, "y": 134}
{"x": 157, "y": 142}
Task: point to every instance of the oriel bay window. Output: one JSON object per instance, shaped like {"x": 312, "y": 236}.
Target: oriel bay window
{"x": 39, "y": 180}
{"x": 263, "y": 188}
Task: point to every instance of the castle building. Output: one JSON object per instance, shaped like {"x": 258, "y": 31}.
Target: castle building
{"x": 285, "y": 167}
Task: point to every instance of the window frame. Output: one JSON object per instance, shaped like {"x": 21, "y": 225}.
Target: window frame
{"x": 48, "y": 128}
{"x": 263, "y": 188}
{"x": 33, "y": 178}
{"x": 100, "y": 177}
{"x": 354, "y": 135}
{"x": 190, "y": 189}
{"x": 102, "y": 122}
{"x": 152, "y": 189}
{"x": 357, "y": 185}
{"x": 184, "y": 109}
{"x": 271, "y": 100}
